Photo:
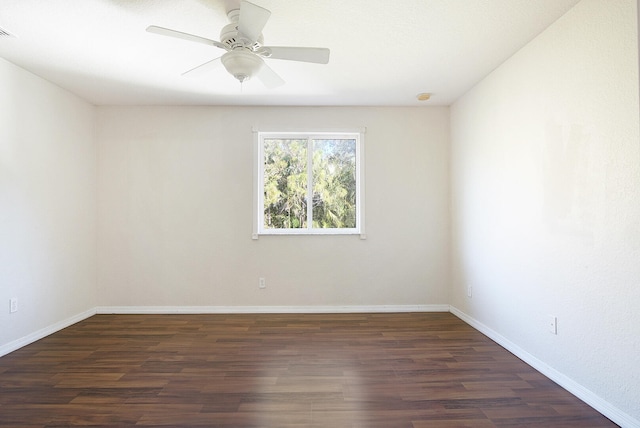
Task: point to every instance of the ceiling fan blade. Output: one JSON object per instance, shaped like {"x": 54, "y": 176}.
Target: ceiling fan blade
{"x": 268, "y": 77}
{"x": 315, "y": 55}
{"x": 184, "y": 36}
{"x": 204, "y": 68}
{"x": 252, "y": 20}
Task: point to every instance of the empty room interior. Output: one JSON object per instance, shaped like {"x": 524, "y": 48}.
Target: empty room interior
{"x": 481, "y": 267}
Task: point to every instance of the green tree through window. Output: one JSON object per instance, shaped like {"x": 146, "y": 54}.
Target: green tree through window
{"x": 285, "y": 184}
{"x": 309, "y": 183}
{"x": 334, "y": 183}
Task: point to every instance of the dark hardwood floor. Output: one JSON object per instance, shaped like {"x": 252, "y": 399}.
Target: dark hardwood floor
{"x": 315, "y": 370}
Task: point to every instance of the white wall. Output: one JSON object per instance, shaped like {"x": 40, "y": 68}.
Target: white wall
{"x": 546, "y": 200}
{"x": 48, "y": 202}
{"x": 176, "y": 197}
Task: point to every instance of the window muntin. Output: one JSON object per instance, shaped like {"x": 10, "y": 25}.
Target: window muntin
{"x": 309, "y": 183}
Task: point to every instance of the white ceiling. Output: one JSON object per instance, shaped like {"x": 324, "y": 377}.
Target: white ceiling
{"x": 382, "y": 52}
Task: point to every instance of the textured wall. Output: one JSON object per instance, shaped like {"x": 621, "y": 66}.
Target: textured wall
{"x": 546, "y": 200}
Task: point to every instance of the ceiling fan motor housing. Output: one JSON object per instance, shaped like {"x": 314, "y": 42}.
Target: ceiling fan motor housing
{"x": 232, "y": 38}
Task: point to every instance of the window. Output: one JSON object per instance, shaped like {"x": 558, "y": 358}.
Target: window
{"x": 309, "y": 183}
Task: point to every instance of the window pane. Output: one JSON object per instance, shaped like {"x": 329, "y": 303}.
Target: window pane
{"x": 285, "y": 184}
{"x": 334, "y": 183}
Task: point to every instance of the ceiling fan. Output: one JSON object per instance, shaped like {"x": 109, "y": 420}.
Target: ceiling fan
{"x": 242, "y": 40}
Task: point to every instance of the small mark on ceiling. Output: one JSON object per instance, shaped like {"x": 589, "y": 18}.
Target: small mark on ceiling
{"x": 5, "y": 33}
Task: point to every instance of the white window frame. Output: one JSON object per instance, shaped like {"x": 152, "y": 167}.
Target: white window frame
{"x": 258, "y": 193}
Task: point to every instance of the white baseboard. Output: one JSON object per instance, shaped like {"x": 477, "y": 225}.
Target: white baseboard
{"x": 42, "y": 333}
{"x": 616, "y": 415}
{"x": 267, "y": 309}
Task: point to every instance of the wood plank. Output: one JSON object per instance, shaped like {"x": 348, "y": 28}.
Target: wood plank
{"x": 408, "y": 370}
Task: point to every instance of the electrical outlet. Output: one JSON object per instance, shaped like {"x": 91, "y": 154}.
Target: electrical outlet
{"x": 552, "y": 324}
{"x": 469, "y": 291}
{"x": 13, "y": 305}
{"x": 262, "y": 283}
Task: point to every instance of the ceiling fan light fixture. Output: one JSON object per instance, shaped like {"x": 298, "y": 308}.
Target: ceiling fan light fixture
{"x": 242, "y": 64}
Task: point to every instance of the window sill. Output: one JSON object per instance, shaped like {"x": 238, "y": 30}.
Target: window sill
{"x": 256, "y": 236}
